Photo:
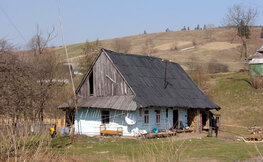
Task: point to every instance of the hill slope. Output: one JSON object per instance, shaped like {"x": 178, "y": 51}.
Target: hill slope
{"x": 218, "y": 45}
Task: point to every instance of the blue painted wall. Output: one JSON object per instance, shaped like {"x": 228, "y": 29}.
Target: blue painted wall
{"x": 88, "y": 121}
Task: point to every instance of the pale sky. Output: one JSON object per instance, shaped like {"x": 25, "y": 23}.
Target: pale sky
{"x": 91, "y": 19}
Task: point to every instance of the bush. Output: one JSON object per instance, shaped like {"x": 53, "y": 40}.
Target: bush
{"x": 199, "y": 77}
{"x": 215, "y": 67}
{"x": 90, "y": 50}
{"x": 256, "y": 82}
{"x": 194, "y": 42}
{"x": 174, "y": 47}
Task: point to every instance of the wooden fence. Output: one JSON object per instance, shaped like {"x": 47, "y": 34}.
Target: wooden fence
{"x": 24, "y": 128}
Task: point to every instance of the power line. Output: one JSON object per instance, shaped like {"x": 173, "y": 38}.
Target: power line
{"x": 69, "y": 67}
{"x": 12, "y": 23}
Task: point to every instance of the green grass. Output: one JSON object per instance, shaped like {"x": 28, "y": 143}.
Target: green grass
{"x": 212, "y": 148}
{"x": 166, "y": 149}
{"x": 241, "y": 104}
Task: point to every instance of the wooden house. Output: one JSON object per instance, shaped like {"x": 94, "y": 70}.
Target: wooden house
{"x": 134, "y": 94}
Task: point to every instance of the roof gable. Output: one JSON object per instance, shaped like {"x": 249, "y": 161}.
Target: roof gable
{"x": 105, "y": 73}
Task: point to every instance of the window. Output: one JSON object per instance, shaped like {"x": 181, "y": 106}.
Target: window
{"x": 158, "y": 116}
{"x": 146, "y": 116}
{"x": 91, "y": 84}
{"x": 105, "y": 117}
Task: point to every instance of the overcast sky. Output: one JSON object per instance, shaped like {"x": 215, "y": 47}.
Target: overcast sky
{"x": 88, "y": 20}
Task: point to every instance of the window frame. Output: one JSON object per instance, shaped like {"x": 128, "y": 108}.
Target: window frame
{"x": 158, "y": 116}
{"x": 146, "y": 117}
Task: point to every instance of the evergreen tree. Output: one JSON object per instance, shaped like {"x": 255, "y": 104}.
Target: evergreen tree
{"x": 167, "y": 30}
{"x": 243, "y": 30}
{"x": 198, "y": 27}
{"x": 144, "y": 32}
{"x": 188, "y": 28}
{"x": 204, "y": 28}
{"x": 261, "y": 32}
{"x": 184, "y": 28}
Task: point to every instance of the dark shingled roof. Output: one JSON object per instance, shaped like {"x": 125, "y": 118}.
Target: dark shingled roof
{"x": 145, "y": 75}
{"x": 111, "y": 102}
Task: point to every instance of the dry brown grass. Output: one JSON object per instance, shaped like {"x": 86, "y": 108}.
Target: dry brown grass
{"x": 168, "y": 46}
{"x": 27, "y": 141}
{"x": 223, "y": 46}
{"x": 218, "y": 46}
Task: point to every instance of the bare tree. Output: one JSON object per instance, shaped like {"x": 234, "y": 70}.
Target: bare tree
{"x": 5, "y": 46}
{"x": 15, "y": 86}
{"x": 197, "y": 72}
{"x": 38, "y": 44}
{"x": 121, "y": 45}
{"x": 90, "y": 50}
{"x": 48, "y": 72}
{"x": 241, "y": 19}
{"x": 148, "y": 47}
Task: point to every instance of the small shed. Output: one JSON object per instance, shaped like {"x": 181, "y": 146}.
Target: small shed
{"x": 256, "y": 63}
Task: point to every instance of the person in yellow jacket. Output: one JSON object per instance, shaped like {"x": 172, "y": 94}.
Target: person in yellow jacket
{"x": 53, "y": 131}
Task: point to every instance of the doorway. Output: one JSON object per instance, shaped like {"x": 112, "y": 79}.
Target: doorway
{"x": 175, "y": 119}
{"x": 204, "y": 119}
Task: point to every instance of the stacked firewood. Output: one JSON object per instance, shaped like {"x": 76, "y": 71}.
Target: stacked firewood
{"x": 255, "y": 130}
{"x": 256, "y": 134}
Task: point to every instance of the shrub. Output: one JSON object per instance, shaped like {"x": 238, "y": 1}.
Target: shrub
{"x": 194, "y": 42}
{"x": 90, "y": 50}
{"x": 215, "y": 67}
{"x": 256, "y": 82}
{"x": 174, "y": 47}
{"x": 199, "y": 77}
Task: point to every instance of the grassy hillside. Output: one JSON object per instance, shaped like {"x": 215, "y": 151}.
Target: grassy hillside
{"x": 215, "y": 45}
{"x": 241, "y": 104}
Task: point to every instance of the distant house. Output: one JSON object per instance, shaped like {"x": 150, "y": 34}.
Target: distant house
{"x": 256, "y": 63}
{"x": 132, "y": 94}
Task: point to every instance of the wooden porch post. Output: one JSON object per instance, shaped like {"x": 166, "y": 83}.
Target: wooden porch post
{"x": 209, "y": 125}
{"x": 198, "y": 121}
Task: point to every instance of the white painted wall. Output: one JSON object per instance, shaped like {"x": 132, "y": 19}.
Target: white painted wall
{"x": 89, "y": 120}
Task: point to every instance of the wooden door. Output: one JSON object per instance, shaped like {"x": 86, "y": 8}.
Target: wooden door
{"x": 175, "y": 119}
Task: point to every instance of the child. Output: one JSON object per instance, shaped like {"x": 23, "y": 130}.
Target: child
{"x": 53, "y": 131}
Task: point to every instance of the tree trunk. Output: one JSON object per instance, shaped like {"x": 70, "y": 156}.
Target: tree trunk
{"x": 244, "y": 47}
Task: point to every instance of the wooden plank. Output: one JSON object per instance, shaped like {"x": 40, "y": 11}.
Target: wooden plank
{"x": 102, "y": 85}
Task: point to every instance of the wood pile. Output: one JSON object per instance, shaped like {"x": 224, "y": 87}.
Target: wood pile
{"x": 256, "y": 134}
{"x": 255, "y": 130}
{"x": 159, "y": 135}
